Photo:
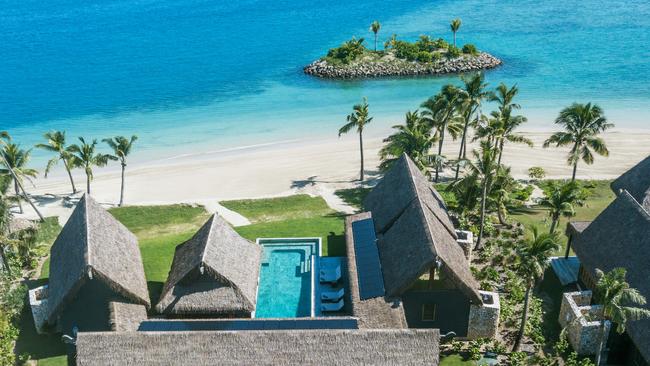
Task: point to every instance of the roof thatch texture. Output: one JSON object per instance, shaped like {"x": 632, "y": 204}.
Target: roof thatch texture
{"x": 620, "y": 237}
{"x": 378, "y": 312}
{"x": 575, "y": 228}
{"x": 125, "y": 317}
{"x": 637, "y": 182}
{"x": 414, "y": 230}
{"x": 93, "y": 241}
{"x": 293, "y": 347}
{"x": 216, "y": 271}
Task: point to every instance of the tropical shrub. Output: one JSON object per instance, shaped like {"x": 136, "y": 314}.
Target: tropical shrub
{"x": 347, "y": 52}
{"x": 405, "y": 50}
{"x": 453, "y": 52}
{"x": 470, "y": 49}
{"x": 424, "y": 56}
{"x": 425, "y": 44}
{"x": 536, "y": 172}
{"x": 517, "y": 359}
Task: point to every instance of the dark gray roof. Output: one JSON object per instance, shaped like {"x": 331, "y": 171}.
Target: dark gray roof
{"x": 414, "y": 230}
{"x": 93, "y": 241}
{"x": 620, "y": 237}
{"x": 293, "y": 347}
{"x": 575, "y": 228}
{"x": 378, "y": 312}
{"x": 637, "y": 182}
{"x": 216, "y": 271}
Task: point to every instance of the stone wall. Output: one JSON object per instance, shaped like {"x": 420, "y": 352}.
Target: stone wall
{"x": 38, "y": 303}
{"x": 466, "y": 242}
{"x": 399, "y": 67}
{"x": 484, "y": 319}
{"x": 582, "y": 322}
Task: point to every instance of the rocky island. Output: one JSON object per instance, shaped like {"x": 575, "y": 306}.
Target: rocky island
{"x": 426, "y": 56}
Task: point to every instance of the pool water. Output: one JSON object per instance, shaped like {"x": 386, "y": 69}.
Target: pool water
{"x": 285, "y": 283}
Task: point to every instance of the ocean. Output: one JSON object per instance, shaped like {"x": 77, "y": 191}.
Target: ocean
{"x": 195, "y": 76}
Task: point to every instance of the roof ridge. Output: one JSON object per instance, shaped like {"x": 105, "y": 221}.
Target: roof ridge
{"x": 639, "y": 206}
{"x": 207, "y": 240}
{"x": 87, "y": 222}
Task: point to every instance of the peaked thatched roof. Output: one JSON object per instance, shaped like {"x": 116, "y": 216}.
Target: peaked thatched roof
{"x": 125, "y": 317}
{"x": 378, "y": 312}
{"x": 414, "y": 230}
{"x": 282, "y": 347}
{"x": 637, "y": 182}
{"x": 93, "y": 241}
{"x": 620, "y": 237}
{"x": 216, "y": 271}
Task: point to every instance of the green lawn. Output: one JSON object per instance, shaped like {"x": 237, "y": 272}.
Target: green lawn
{"x": 279, "y": 209}
{"x": 455, "y": 360}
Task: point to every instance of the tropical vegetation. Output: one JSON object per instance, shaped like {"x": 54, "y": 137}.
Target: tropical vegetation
{"x": 121, "y": 147}
{"x": 56, "y": 144}
{"x": 358, "y": 120}
{"x": 85, "y": 156}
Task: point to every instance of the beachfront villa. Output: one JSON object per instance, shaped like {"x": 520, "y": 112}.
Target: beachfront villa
{"x": 618, "y": 237}
{"x": 228, "y": 300}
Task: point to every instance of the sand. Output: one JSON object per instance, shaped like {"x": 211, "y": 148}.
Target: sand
{"x": 316, "y": 167}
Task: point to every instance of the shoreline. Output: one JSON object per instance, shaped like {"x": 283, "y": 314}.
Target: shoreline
{"x": 315, "y": 167}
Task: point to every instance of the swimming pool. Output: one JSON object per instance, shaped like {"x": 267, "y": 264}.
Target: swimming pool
{"x": 287, "y": 287}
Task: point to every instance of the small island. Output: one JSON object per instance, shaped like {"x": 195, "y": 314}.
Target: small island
{"x": 426, "y": 56}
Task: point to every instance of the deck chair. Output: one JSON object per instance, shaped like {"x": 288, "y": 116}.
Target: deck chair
{"x": 331, "y": 306}
{"x": 332, "y": 295}
{"x": 330, "y": 275}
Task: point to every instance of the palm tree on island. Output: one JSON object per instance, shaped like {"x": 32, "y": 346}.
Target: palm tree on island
{"x": 374, "y": 28}
{"x": 441, "y": 111}
{"x": 84, "y": 155}
{"x": 455, "y": 26}
{"x": 533, "y": 260}
{"x": 358, "y": 119}
{"x": 582, "y": 125}
{"x": 621, "y": 303}
{"x": 15, "y": 161}
{"x": 56, "y": 144}
{"x": 121, "y": 149}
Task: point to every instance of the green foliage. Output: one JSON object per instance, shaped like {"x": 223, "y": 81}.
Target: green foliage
{"x": 470, "y": 49}
{"x": 279, "y": 209}
{"x": 517, "y": 359}
{"x": 535, "y": 324}
{"x": 406, "y": 50}
{"x": 457, "y": 346}
{"x": 474, "y": 350}
{"x": 523, "y": 193}
{"x": 453, "y": 52}
{"x": 353, "y": 196}
{"x": 536, "y": 172}
{"x": 154, "y": 218}
{"x": 497, "y": 347}
{"x": 347, "y": 52}
{"x": 11, "y": 305}
{"x": 574, "y": 360}
{"x": 424, "y": 56}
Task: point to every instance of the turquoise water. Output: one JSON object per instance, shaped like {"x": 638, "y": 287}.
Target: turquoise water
{"x": 285, "y": 284}
{"x": 191, "y": 76}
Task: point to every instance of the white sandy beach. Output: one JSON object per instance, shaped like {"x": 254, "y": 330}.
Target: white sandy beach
{"x": 314, "y": 167}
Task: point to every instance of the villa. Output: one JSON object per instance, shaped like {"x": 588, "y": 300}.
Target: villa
{"x": 618, "y": 237}
{"x": 276, "y": 301}
{"x": 405, "y": 234}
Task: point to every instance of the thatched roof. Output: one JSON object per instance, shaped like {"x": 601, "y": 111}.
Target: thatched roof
{"x": 125, "y": 317}
{"x": 415, "y": 230}
{"x": 637, "y": 182}
{"x": 216, "y": 271}
{"x": 282, "y": 347}
{"x": 93, "y": 241}
{"x": 575, "y": 228}
{"x": 620, "y": 237}
{"x": 378, "y": 312}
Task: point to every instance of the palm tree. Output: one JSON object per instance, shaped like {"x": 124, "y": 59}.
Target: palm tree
{"x": 15, "y": 160}
{"x": 358, "y": 119}
{"x": 374, "y": 28}
{"x": 121, "y": 149}
{"x": 471, "y": 96}
{"x": 5, "y": 140}
{"x": 5, "y": 241}
{"x": 582, "y": 124}
{"x": 441, "y": 113}
{"x": 455, "y": 26}
{"x": 484, "y": 169}
{"x": 561, "y": 200}
{"x": 500, "y": 128}
{"x": 620, "y": 303}
{"x": 56, "y": 144}
{"x": 84, "y": 155}
{"x": 503, "y": 184}
{"x": 504, "y": 97}
{"x": 413, "y": 138}
{"x": 532, "y": 262}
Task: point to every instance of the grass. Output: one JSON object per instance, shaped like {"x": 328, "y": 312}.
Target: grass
{"x": 455, "y": 360}
{"x": 279, "y": 209}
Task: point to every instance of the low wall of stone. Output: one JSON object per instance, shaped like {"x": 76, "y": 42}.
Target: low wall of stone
{"x": 466, "y": 242}
{"x": 484, "y": 319}
{"x": 38, "y": 303}
{"x": 582, "y": 322}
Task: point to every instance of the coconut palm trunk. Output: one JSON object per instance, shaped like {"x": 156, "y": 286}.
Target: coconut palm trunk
{"x": 482, "y": 220}
{"x": 554, "y": 221}
{"x": 361, "y": 151}
{"x": 5, "y": 261}
{"x": 67, "y": 169}
{"x": 22, "y": 189}
{"x": 454, "y": 39}
{"x": 501, "y": 144}
{"x": 575, "y": 169}
{"x": 442, "y": 140}
{"x": 601, "y": 343}
{"x": 17, "y": 189}
{"x": 524, "y": 318}
{"x": 463, "y": 151}
{"x": 87, "y": 183}
{"x": 122, "y": 187}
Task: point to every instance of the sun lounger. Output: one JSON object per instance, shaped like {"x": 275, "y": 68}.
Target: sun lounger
{"x": 332, "y": 295}
{"x": 332, "y": 306}
{"x": 330, "y": 275}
